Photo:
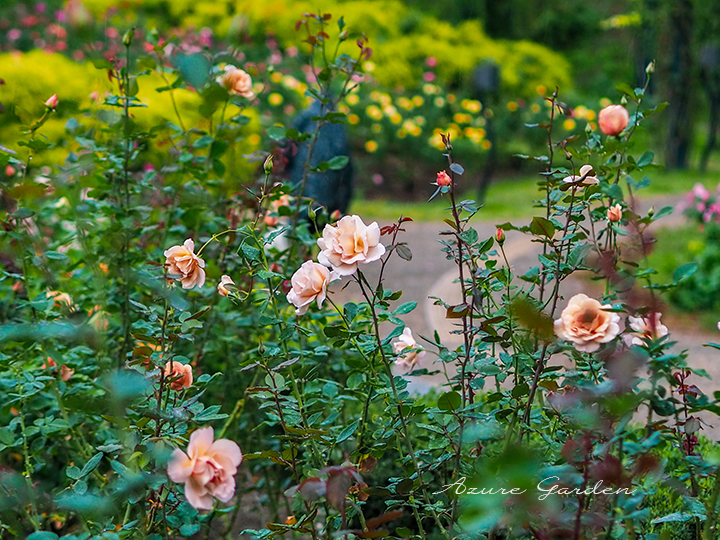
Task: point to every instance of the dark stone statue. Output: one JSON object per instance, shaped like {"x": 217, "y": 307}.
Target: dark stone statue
{"x": 332, "y": 188}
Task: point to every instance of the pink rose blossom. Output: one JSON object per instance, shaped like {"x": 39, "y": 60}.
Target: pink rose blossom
{"x": 646, "y": 328}
{"x": 613, "y": 119}
{"x": 208, "y": 469}
{"x": 348, "y": 243}
{"x": 309, "y": 283}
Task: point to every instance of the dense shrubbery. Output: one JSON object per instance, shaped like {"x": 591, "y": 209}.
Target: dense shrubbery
{"x": 151, "y": 295}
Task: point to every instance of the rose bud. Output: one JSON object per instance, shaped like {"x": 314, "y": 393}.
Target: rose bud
{"x": 613, "y": 119}
{"x": 614, "y": 213}
{"x": 500, "y": 236}
{"x": 52, "y": 103}
{"x": 443, "y": 179}
{"x": 222, "y": 289}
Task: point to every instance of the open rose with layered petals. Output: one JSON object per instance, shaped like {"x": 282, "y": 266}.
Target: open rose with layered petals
{"x": 185, "y": 266}
{"x": 349, "y": 243}
{"x": 587, "y": 324}
{"x": 309, "y": 283}
{"x": 208, "y": 469}
{"x": 406, "y": 342}
{"x": 237, "y": 81}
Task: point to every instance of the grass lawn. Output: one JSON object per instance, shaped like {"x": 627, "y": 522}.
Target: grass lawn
{"x": 513, "y": 199}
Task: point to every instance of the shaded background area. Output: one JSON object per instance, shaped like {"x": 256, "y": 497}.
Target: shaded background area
{"x": 479, "y": 70}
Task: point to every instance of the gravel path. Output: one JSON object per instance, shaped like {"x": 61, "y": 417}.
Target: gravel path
{"x": 431, "y": 274}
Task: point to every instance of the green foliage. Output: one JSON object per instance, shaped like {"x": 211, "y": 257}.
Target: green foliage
{"x": 110, "y": 265}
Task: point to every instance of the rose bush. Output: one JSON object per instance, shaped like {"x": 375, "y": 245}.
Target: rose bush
{"x": 102, "y": 278}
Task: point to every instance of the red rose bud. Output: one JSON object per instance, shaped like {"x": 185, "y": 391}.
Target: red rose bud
{"x": 443, "y": 179}
{"x": 613, "y": 119}
{"x": 500, "y": 236}
{"x": 335, "y": 215}
{"x": 52, "y": 103}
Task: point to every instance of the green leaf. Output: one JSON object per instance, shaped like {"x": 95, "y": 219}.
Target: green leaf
{"x": 73, "y": 472}
{"x": 542, "y": 227}
{"x": 189, "y": 529}
{"x": 645, "y": 159}
{"x": 23, "y": 213}
{"x": 346, "y": 433}
{"x": 42, "y": 535}
{"x": 338, "y": 162}
{"x": 407, "y": 307}
{"x": 194, "y": 69}
{"x": 625, "y": 88}
{"x": 449, "y": 401}
{"x": 457, "y": 168}
{"x": 685, "y": 271}
{"x": 90, "y": 465}
{"x": 190, "y": 323}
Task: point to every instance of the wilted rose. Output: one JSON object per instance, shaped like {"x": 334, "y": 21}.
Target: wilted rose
{"x": 613, "y": 119}
{"x": 646, "y": 328}
{"x": 208, "y": 469}
{"x": 348, "y": 243}
{"x": 309, "y": 283}
{"x": 614, "y": 213}
{"x": 224, "y": 281}
{"x": 180, "y": 375}
{"x": 585, "y": 177}
{"x": 414, "y": 354}
{"x": 587, "y": 324}
{"x": 185, "y": 266}
{"x": 237, "y": 81}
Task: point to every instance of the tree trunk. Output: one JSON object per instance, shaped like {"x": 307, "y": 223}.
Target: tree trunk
{"x": 680, "y": 85}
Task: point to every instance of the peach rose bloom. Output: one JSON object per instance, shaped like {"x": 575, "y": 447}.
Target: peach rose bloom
{"x": 309, "y": 284}
{"x": 208, "y": 469}
{"x": 613, "y": 119}
{"x": 586, "y": 171}
{"x": 237, "y": 81}
{"x": 586, "y": 324}
{"x": 180, "y": 374}
{"x": 271, "y": 217}
{"x": 644, "y": 330}
{"x": 185, "y": 266}
{"x": 405, "y": 342}
{"x": 222, "y": 286}
{"x": 348, "y": 243}
{"x": 614, "y": 213}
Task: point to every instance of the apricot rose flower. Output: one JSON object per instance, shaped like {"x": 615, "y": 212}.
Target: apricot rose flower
{"x": 646, "y": 328}
{"x": 587, "y": 324}
{"x": 309, "y": 283}
{"x": 208, "y": 469}
{"x": 237, "y": 81}
{"x": 348, "y": 243}
{"x": 185, "y": 266}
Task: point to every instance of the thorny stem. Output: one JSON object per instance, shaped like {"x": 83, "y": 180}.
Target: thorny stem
{"x": 360, "y": 278}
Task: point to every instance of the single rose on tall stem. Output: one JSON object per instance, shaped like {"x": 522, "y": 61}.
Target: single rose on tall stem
{"x": 587, "y": 324}
{"x": 208, "y": 468}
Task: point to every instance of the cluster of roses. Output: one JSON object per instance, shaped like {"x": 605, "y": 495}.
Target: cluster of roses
{"x": 587, "y": 324}
{"x": 208, "y": 468}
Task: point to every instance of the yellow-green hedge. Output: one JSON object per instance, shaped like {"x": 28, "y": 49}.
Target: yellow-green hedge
{"x": 31, "y": 78}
